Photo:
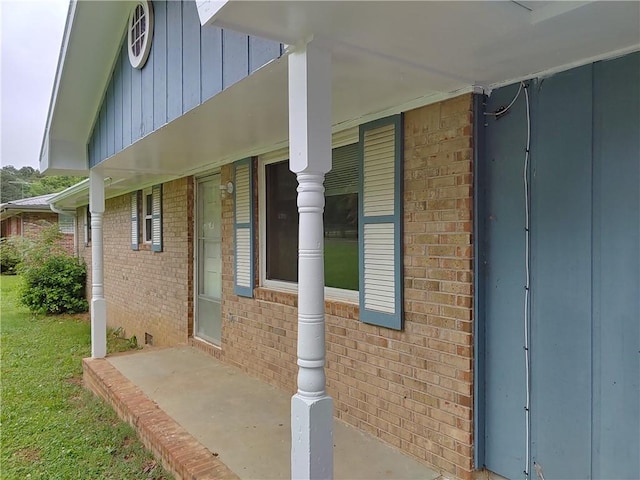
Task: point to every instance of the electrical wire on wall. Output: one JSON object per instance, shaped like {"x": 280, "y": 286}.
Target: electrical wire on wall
{"x": 527, "y": 266}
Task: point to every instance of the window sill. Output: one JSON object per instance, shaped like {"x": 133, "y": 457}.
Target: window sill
{"x": 287, "y": 294}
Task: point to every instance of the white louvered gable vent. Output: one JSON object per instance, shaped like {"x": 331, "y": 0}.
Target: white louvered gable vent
{"x": 379, "y": 180}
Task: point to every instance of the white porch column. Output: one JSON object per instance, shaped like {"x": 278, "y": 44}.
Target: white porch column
{"x": 310, "y": 159}
{"x": 98, "y": 303}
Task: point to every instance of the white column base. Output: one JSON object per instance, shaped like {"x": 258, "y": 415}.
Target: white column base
{"x": 98, "y": 328}
{"x": 311, "y": 438}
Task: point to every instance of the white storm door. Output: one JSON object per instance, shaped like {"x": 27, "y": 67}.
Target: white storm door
{"x": 209, "y": 260}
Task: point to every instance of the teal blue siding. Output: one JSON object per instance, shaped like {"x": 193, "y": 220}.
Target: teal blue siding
{"x": 117, "y": 93}
{"x": 103, "y": 130}
{"x": 147, "y": 95}
{"x": 174, "y": 60}
{"x": 159, "y": 53}
{"x": 111, "y": 141}
{"x": 187, "y": 65}
{"x": 127, "y": 137}
{"x": 616, "y": 268}
{"x": 136, "y": 104}
{"x": 585, "y": 275}
{"x": 190, "y": 57}
{"x": 211, "y": 48}
{"x": 260, "y": 52}
{"x": 235, "y": 57}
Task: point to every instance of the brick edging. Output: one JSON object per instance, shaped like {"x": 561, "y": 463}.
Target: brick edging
{"x": 179, "y": 452}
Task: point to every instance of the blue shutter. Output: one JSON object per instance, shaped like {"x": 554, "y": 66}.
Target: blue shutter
{"x": 156, "y": 218}
{"x": 243, "y": 238}
{"x": 380, "y": 222}
{"x": 135, "y": 223}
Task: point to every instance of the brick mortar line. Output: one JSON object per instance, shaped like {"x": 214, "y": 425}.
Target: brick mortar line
{"x": 157, "y": 431}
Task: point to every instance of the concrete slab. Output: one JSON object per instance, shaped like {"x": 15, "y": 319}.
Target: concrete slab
{"x": 246, "y": 421}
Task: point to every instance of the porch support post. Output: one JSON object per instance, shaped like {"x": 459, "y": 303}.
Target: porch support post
{"x": 310, "y": 159}
{"x": 98, "y": 302}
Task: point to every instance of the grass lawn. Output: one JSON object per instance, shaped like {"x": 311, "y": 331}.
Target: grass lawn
{"x": 341, "y": 263}
{"x": 52, "y": 428}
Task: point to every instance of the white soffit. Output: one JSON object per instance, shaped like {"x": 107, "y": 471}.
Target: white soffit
{"x": 475, "y": 42}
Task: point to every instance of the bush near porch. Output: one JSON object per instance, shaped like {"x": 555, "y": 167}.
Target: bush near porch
{"x": 51, "y": 426}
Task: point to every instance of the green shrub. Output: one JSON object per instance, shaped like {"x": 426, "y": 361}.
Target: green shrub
{"x": 54, "y": 281}
{"x": 57, "y": 285}
{"x": 10, "y": 256}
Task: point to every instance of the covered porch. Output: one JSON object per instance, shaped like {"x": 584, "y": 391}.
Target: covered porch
{"x": 207, "y": 419}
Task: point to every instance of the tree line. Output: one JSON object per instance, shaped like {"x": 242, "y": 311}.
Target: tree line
{"x": 29, "y": 182}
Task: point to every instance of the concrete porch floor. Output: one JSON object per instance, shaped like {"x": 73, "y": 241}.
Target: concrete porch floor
{"x": 245, "y": 421}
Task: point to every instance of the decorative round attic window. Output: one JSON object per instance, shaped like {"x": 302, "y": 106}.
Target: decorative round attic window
{"x": 140, "y": 33}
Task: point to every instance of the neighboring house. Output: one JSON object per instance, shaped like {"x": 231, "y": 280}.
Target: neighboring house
{"x": 481, "y": 235}
{"x": 27, "y": 217}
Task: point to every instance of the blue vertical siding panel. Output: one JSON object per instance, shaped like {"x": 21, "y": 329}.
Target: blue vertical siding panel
{"x": 190, "y": 56}
{"x": 235, "y": 57}
{"x": 147, "y": 97}
{"x": 159, "y": 52}
{"x": 211, "y": 61}
{"x": 136, "y": 104}
{"x": 616, "y": 265}
{"x": 92, "y": 148}
{"x": 261, "y": 51}
{"x": 117, "y": 96}
{"x": 561, "y": 275}
{"x": 174, "y": 60}
{"x": 186, "y": 65}
{"x": 505, "y": 277}
{"x": 111, "y": 120}
{"x": 126, "y": 98}
{"x": 103, "y": 131}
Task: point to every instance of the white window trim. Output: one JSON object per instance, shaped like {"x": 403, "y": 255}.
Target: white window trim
{"x": 146, "y": 216}
{"x": 340, "y": 139}
{"x": 138, "y": 61}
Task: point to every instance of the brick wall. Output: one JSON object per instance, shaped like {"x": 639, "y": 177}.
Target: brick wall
{"x": 33, "y": 223}
{"x": 148, "y": 292}
{"x": 412, "y": 389}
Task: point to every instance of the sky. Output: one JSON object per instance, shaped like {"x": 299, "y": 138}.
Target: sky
{"x": 31, "y": 35}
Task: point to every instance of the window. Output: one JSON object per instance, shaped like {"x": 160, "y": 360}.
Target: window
{"x": 362, "y": 223}
{"x": 87, "y": 226}
{"x": 151, "y": 218}
{"x": 340, "y": 221}
{"x": 140, "y": 33}
{"x": 66, "y": 224}
{"x": 147, "y": 215}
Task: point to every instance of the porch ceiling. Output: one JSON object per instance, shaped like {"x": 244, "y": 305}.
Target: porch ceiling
{"x": 387, "y": 57}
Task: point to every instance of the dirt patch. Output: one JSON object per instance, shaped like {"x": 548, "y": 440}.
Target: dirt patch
{"x": 77, "y": 381}
{"x": 28, "y": 454}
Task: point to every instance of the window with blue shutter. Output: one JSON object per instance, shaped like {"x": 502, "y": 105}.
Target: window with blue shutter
{"x": 156, "y": 218}
{"x": 380, "y": 222}
{"x": 135, "y": 225}
{"x": 243, "y": 228}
